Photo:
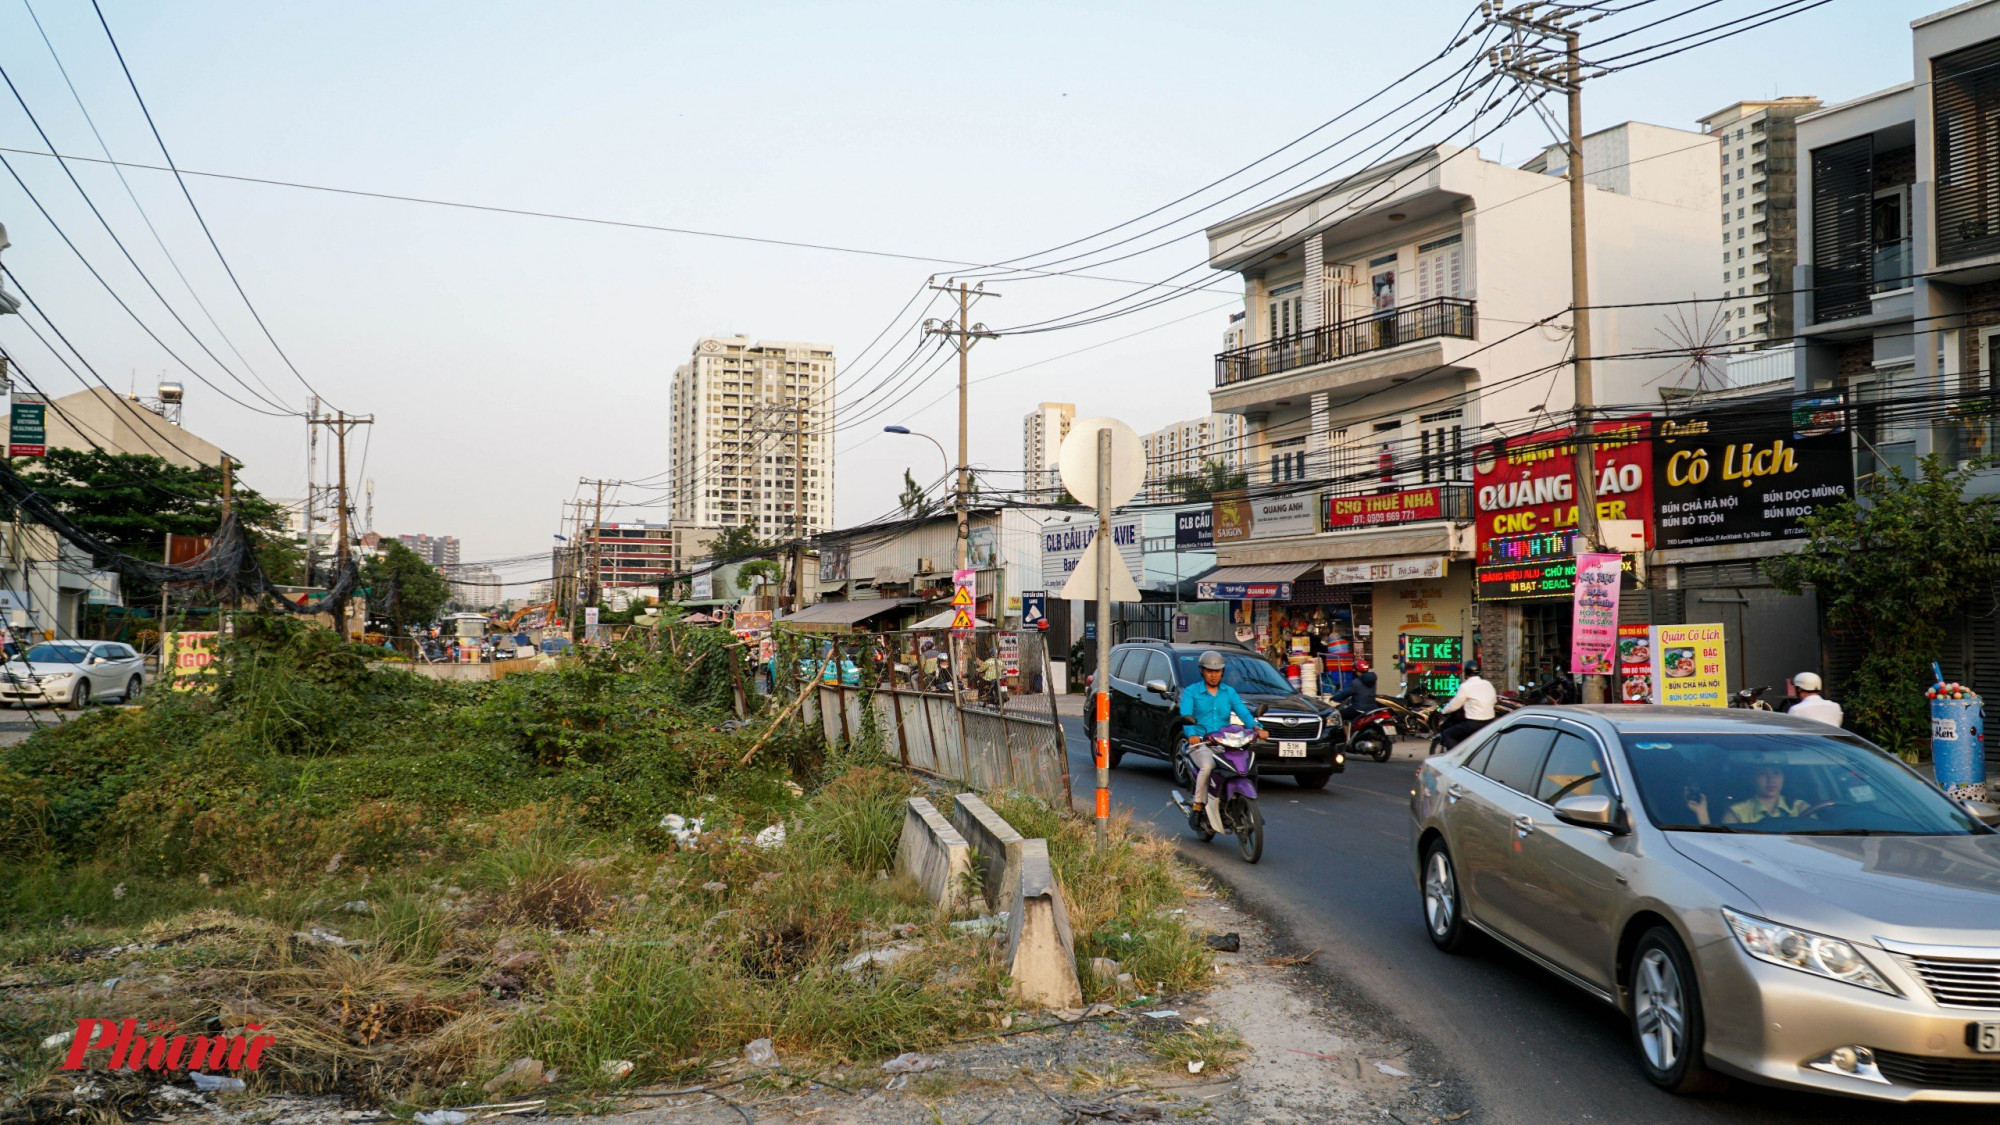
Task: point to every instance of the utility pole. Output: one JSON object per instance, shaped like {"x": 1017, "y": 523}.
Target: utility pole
{"x": 596, "y": 589}
{"x": 1531, "y": 57}
{"x": 966, "y": 335}
{"x": 312, "y": 484}
{"x": 341, "y": 424}
{"x": 798, "y": 500}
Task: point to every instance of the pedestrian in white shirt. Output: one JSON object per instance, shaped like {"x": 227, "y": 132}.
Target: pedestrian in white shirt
{"x": 1473, "y": 703}
{"x": 1813, "y": 705}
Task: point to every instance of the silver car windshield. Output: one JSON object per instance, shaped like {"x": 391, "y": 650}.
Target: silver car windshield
{"x": 1786, "y": 784}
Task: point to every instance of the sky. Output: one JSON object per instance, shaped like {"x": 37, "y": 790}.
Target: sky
{"x": 505, "y": 358}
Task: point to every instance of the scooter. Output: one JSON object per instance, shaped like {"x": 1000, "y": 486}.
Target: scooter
{"x": 1416, "y": 710}
{"x": 1372, "y": 735}
{"x": 1751, "y": 699}
{"x": 1232, "y": 794}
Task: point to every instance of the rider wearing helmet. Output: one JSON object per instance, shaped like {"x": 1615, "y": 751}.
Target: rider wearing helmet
{"x": 1810, "y": 703}
{"x": 1358, "y": 697}
{"x": 1474, "y": 704}
{"x": 1207, "y": 709}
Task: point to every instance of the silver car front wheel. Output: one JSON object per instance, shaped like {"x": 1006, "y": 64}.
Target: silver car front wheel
{"x": 1659, "y": 1008}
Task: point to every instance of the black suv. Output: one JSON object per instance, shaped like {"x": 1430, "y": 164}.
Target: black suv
{"x": 1148, "y": 676}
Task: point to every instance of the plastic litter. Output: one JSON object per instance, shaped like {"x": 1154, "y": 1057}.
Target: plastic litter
{"x": 1162, "y": 1014}
{"x": 59, "y": 1039}
{"x": 884, "y": 957}
{"x": 683, "y": 830}
{"x": 985, "y": 924}
{"x": 358, "y": 906}
{"x": 772, "y": 837}
{"x": 910, "y": 1062}
{"x": 1195, "y": 1065}
{"x": 442, "y": 1117}
{"x": 760, "y": 1053}
{"x": 1105, "y": 968}
{"x": 616, "y": 1068}
{"x": 1224, "y": 943}
{"x": 521, "y": 1074}
{"x": 215, "y": 1083}
{"x": 1391, "y": 1071}
{"x": 318, "y": 936}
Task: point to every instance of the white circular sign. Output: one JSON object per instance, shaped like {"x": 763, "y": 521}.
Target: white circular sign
{"x": 1078, "y": 461}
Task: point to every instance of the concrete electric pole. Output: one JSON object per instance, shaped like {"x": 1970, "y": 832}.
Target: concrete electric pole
{"x": 965, "y": 334}
{"x": 1545, "y": 52}
{"x": 340, "y": 424}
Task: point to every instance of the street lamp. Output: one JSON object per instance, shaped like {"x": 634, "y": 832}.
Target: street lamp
{"x": 908, "y": 432}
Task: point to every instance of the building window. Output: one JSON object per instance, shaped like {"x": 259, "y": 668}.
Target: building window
{"x": 1441, "y": 445}
{"x": 1287, "y": 304}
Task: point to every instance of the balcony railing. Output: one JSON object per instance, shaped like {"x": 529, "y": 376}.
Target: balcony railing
{"x": 1439, "y": 316}
{"x": 1890, "y": 266}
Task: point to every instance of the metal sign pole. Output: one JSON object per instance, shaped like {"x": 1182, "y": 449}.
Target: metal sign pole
{"x": 1103, "y": 693}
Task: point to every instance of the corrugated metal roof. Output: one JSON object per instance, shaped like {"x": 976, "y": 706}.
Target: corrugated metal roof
{"x": 846, "y": 613}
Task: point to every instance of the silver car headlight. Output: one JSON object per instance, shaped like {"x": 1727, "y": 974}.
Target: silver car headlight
{"x": 1805, "y": 951}
{"x": 55, "y": 677}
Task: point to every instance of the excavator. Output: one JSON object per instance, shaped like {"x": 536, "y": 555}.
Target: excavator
{"x": 546, "y": 609}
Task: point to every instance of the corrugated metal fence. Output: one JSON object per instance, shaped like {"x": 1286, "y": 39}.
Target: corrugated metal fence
{"x": 982, "y": 747}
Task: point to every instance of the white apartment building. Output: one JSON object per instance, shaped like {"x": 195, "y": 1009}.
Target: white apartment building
{"x": 1400, "y": 322}
{"x": 1042, "y": 434}
{"x": 1760, "y": 220}
{"x": 738, "y": 409}
{"x": 1186, "y": 448}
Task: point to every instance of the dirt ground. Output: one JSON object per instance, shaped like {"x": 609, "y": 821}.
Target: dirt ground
{"x": 1304, "y": 1057}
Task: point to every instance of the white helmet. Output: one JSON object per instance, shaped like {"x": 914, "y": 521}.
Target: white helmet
{"x": 1806, "y": 681}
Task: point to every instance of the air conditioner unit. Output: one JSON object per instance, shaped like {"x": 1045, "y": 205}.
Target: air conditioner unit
{"x": 924, "y": 566}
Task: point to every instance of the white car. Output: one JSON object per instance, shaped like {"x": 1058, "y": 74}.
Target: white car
{"x": 72, "y": 673}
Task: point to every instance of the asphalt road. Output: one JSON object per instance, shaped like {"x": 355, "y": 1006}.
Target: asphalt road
{"x": 1527, "y": 1047}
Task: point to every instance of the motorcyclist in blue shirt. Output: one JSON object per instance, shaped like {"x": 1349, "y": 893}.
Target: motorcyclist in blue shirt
{"x": 1211, "y": 706}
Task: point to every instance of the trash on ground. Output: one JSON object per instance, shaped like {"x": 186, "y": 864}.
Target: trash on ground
{"x": 883, "y": 957}
{"x": 616, "y": 1068}
{"x": 1105, "y": 968}
{"x": 985, "y": 924}
{"x": 910, "y": 1062}
{"x": 1224, "y": 943}
{"x": 681, "y": 829}
{"x": 1096, "y": 1011}
{"x": 1391, "y": 1071}
{"x": 442, "y": 1117}
{"x": 358, "y": 906}
{"x": 1162, "y": 1014}
{"x": 1195, "y": 1065}
{"x": 520, "y": 1074}
{"x": 318, "y": 936}
{"x": 760, "y": 1053}
{"x": 215, "y": 1083}
{"x": 772, "y": 837}
{"x": 59, "y": 1039}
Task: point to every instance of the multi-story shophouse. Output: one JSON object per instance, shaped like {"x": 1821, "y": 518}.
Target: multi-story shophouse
{"x": 1399, "y": 324}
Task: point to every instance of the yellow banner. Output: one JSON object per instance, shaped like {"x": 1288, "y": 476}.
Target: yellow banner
{"x": 187, "y": 661}
{"x": 1689, "y": 667}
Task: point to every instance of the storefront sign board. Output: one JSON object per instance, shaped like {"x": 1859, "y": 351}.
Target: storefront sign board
{"x": 1063, "y": 545}
{"x": 188, "y": 661}
{"x": 1593, "y": 649}
{"x": 1750, "y": 474}
{"x": 1195, "y": 531}
{"x": 1243, "y": 591}
{"x": 1689, "y": 666}
{"x": 1390, "y": 507}
{"x": 1239, "y": 518}
{"x": 1388, "y": 570}
{"x": 1526, "y": 485}
{"x": 1635, "y": 664}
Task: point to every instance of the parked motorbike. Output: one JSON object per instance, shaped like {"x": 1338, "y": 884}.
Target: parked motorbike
{"x": 1232, "y": 794}
{"x": 1415, "y": 711}
{"x": 1750, "y": 699}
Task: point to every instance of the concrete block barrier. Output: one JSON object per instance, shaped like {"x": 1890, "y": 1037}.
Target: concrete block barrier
{"x": 1041, "y": 952}
{"x": 997, "y": 847}
{"x": 934, "y": 854}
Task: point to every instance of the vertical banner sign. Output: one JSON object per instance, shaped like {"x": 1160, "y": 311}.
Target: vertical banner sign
{"x": 1594, "y": 614}
{"x": 1010, "y": 655}
{"x": 188, "y": 661}
{"x": 1635, "y": 664}
{"x": 962, "y": 600}
{"x": 27, "y": 430}
{"x": 1688, "y": 666}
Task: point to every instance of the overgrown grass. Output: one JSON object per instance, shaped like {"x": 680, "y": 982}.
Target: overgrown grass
{"x": 410, "y": 884}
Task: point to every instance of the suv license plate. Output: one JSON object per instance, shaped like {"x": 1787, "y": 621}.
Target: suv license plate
{"x": 1290, "y": 749}
{"x": 1985, "y": 1037}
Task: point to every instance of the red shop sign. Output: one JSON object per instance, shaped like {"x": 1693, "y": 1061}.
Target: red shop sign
{"x": 1526, "y": 485}
{"x": 1391, "y": 507}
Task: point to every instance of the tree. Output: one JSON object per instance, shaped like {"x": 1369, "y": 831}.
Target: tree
{"x": 913, "y": 500}
{"x": 735, "y": 543}
{"x": 1891, "y": 566}
{"x": 403, "y": 589}
{"x": 1215, "y": 476}
{"x": 133, "y": 500}
{"x": 761, "y": 570}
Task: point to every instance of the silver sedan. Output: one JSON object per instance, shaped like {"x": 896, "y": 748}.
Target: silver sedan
{"x": 1762, "y": 896}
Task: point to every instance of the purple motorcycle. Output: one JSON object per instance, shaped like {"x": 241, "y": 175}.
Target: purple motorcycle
{"x": 1232, "y": 793}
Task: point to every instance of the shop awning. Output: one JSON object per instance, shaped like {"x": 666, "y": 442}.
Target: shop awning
{"x": 1267, "y": 582}
{"x": 846, "y": 613}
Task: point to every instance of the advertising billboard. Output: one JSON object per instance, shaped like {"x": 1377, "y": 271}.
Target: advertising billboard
{"x": 1527, "y": 485}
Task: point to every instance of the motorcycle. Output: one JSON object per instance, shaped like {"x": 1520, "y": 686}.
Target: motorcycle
{"x": 1372, "y": 735}
{"x": 1416, "y": 710}
{"x": 1750, "y": 699}
{"x": 1232, "y": 794}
